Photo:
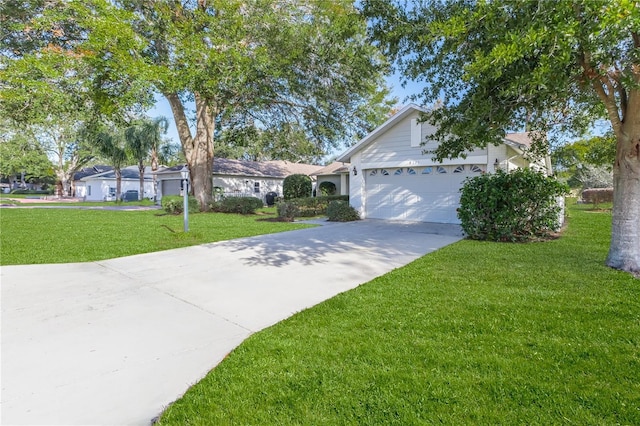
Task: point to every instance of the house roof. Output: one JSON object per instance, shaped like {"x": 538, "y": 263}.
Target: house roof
{"x": 277, "y": 169}
{"x": 130, "y": 172}
{"x": 336, "y": 167}
{"x": 90, "y": 171}
{"x": 391, "y": 121}
{"x": 521, "y": 139}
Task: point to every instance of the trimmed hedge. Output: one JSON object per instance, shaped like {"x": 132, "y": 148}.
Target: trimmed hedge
{"x": 516, "y": 206}
{"x": 241, "y": 205}
{"x": 597, "y": 195}
{"x": 32, "y": 191}
{"x": 341, "y": 211}
{"x": 308, "y": 206}
{"x": 174, "y": 204}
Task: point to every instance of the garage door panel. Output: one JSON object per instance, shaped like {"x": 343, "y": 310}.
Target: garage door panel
{"x": 425, "y": 197}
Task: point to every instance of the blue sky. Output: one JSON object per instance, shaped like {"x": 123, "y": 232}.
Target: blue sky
{"x": 397, "y": 91}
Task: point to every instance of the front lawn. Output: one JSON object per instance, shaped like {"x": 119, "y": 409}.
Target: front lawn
{"x": 475, "y": 333}
{"x": 29, "y": 236}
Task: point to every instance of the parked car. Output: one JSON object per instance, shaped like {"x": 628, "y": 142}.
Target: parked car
{"x": 131, "y": 195}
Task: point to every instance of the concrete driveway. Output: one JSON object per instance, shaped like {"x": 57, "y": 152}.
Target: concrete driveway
{"x": 114, "y": 342}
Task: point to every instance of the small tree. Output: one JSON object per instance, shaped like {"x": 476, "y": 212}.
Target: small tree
{"x": 515, "y": 206}
{"x": 296, "y": 186}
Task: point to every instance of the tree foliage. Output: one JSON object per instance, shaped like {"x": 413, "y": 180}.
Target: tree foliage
{"x": 143, "y": 141}
{"x": 547, "y": 67}
{"x": 21, "y": 156}
{"x": 296, "y": 186}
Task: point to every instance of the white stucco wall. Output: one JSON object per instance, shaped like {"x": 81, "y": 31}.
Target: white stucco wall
{"x": 245, "y": 185}
{"x": 98, "y": 189}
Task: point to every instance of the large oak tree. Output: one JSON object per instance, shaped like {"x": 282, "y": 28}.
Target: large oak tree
{"x": 307, "y": 64}
{"x": 552, "y": 66}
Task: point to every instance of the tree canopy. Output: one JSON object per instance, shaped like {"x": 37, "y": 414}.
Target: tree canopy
{"x": 546, "y": 67}
{"x": 306, "y": 65}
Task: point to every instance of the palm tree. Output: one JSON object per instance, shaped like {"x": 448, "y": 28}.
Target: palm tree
{"x": 111, "y": 146}
{"x": 144, "y": 139}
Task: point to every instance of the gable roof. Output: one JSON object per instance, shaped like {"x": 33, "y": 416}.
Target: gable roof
{"x": 336, "y": 167}
{"x": 276, "y": 168}
{"x": 391, "y": 121}
{"x": 130, "y": 172}
{"x": 520, "y": 141}
{"x": 90, "y": 171}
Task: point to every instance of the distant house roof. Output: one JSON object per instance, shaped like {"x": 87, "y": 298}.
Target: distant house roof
{"x": 277, "y": 169}
{"x": 130, "y": 172}
{"x": 336, "y": 167}
{"x": 89, "y": 171}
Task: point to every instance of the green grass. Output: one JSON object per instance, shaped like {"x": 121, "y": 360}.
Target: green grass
{"x": 475, "y": 333}
{"x": 29, "y": 236}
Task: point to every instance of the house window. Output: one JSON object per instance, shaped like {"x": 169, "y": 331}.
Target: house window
{"x": 427, "y": 170}
{"x": 384, "y": 172}
{"x": 411, "y": 171}
{"x": 256, "y": 187}
{"x": 89, "y": 190}
{"x": 373, "y": 172}
{"x": 476, "y": 169}
{"x": 459, "y": 169}
{"x": 441, "y": 170}
{"x": 398, "y": 172}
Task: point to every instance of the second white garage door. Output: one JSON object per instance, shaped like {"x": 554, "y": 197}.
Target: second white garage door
{"x": 424, "y": 194}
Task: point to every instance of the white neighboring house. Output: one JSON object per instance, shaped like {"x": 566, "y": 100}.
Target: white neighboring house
{"x": 239, "y": 178}
{"x": 390, "y": 177}
{"x": 102, "y": 186}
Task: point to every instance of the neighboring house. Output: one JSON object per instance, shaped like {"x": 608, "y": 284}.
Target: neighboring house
{"x": 78, "y": 186}
{"x": 336, "y": 173}
{"x": 391, "y": 178}
{"x": 102, "y": 186}
{"x": 239, "y": 178}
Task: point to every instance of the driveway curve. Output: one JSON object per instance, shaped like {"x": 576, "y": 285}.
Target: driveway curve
{"x": 116, "y": 341}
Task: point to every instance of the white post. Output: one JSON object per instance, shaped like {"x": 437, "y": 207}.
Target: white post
{"x": 185, "y": 192}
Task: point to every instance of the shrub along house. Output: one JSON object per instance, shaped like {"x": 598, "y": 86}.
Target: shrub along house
{"x": 390, "y": 177}
{"x": 239, "y": 178}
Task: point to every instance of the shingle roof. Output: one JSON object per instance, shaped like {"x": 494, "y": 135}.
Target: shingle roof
{"x": 130, "y": 172}
{"x": 279, "y": 169}
{"x": 90, "y": 171}
{"x": 336, "y": 167}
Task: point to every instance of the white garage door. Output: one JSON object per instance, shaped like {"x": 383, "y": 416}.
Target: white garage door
{"x": 425, "y": 194}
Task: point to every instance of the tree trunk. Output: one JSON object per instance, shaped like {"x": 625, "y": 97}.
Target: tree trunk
{"x": 118, "y": 183}
{"x": 141, "y": 187}
{"x": 197, "y": 150}
{"x": 624, "y": 252}
{"x": 154, "y": 171}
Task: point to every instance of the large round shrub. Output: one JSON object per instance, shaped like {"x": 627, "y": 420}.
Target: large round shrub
{"x": 341, "y": 211}
{"x": 296, "y": 186}
{"x": 515, "y": 206}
